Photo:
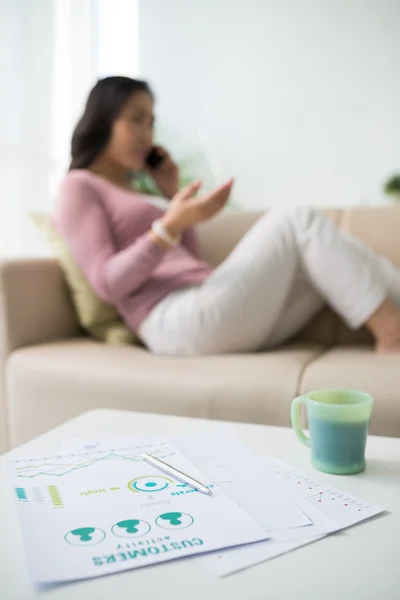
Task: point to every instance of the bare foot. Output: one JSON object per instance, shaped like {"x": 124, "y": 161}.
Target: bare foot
{"x": 384, "y": 324}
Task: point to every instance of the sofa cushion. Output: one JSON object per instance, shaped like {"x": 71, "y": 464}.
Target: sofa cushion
{"x": 361, "y": 368}
{"x": 50, "y": 383}
{"x": 99, "y": 319}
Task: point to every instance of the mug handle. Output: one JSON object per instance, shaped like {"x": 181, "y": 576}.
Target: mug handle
{"x": 295, "y": 417}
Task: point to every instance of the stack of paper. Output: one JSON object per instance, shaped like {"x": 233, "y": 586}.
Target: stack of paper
{"x": 333, "y": 510}
{"x": 97, "y": 508}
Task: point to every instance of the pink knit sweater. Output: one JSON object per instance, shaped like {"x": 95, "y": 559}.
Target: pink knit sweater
{"x": 106, "y": 229}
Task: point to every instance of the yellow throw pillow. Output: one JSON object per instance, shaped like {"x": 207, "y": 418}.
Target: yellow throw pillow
{"x": 101, "y": 320}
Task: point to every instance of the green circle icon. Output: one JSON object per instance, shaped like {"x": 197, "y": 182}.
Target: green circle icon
{"x": 85, "y": 536}
{"x": 131, "y": 528}
{"x": 174, "y": 520}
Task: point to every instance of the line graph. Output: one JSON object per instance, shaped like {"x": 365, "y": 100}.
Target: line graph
{"x": 328, "y": 495}
{"x": 61, "y": 465}
{"x": 340, "y": 506}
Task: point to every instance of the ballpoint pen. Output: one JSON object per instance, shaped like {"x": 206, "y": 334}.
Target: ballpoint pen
{"x": 159, "y": 464}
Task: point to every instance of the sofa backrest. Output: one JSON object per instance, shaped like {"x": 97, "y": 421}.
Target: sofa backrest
{"x": 379, "y": 227}
{"x": 218, "y": 237}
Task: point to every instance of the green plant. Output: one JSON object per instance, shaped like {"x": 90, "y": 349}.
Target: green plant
{"x": 392, "y": 186}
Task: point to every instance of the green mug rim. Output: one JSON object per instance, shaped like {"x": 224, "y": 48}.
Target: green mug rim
{"x": 367, "y": 398}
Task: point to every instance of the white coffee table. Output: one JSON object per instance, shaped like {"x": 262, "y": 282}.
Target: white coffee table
{"x": 363, "y": 564}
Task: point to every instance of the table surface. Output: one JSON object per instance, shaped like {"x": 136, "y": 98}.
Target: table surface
{"x": 362, "y": 563}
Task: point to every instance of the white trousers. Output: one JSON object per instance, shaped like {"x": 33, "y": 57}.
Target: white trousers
{"x": 286, "y": 267}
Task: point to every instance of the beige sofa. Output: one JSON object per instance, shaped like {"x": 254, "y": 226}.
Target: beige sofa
{"x": 52, "y": 372}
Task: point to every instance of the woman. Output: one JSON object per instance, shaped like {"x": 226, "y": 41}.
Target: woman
{"x": 145, "y": 261}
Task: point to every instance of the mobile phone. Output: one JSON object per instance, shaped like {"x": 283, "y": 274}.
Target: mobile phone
{"x": 154, "y": 159}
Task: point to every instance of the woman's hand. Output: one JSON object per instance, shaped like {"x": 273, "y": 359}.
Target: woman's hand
{"x": 186, "y": 210}
{"x": 166, "y": 175}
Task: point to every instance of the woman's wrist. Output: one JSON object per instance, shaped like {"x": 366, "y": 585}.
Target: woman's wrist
{"x": 171, "y": 227}
{"x": 157, "y": 240}
{"x": 162, "y": 236}
{"x": 160, "y": 231}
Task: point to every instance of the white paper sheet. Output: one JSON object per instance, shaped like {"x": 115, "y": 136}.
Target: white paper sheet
{"x": 102, "y": 511}
{"x": 344, "y": 508}
{"x": 236, "y": 470}
{"x": 328, "y": 508}
{"x": 245, "y": 478}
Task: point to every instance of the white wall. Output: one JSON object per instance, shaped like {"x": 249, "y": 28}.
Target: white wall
{"x": 117, "y": 34}
{"x": 46, "y": 71}
{"x": 25, "y": 62}
{"x": 301, "y": 99}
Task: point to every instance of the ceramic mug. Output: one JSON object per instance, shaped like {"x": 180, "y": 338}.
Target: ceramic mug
{"x": 338, "y": 421}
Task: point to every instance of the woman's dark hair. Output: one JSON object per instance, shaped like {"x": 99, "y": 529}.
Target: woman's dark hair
{"x": 103, "y": 106}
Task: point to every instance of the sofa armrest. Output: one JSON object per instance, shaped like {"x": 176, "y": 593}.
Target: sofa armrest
{"x": 35, "y": 306}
